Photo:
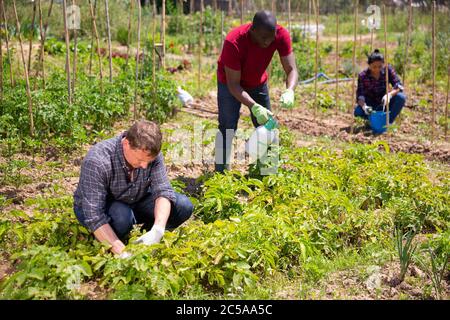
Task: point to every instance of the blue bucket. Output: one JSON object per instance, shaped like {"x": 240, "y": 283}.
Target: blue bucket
{"x": 377, "y": 121}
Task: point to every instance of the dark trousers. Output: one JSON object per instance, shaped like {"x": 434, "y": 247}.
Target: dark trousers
{"x": 229, "y": 111}
{"x": 396, "y": 105}
{"x": 124, "y": 216}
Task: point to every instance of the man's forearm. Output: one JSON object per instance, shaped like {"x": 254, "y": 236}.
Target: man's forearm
{"x": 106, "y": 234}
{"x": 239, "y": 93}
{"x": 292, "y": 79}
{"x": 162, "y": 211}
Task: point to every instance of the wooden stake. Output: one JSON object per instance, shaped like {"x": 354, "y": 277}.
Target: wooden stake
{"x": 289, "y": 16}
{"x": 163, "y": 34}
{"x": 200, "y": 45}
{"x": 433, "y": 111}
{"x": 386, "y": 61}
{"x": 41, "y": 33}
{"x": 154, "y": 47}
{"x": 408, "y": 35}
{"x": 446, "y": 99}
{"x": 74, "y": 53}
{"x": 8, "y": 52}
{"x": 43, "y": 37}
{"x": 94, "y": 24}
{"x": 242, "y": 12}
{"x": 27, "y": 80}
{"x": 355, "y": 34}
{"x": 129, "y": 31}
{"x": 316, "y": 65}
{"x": 92, "y": 39}
{"x": 274, "y": 9}
{"x": 1, "y": 66}
{"x": 337, "y": 61}
{"x": 221, "y": 29}
{"x": 66, "y": 35}
{"x": 137, "y": 60}
{"x": 108, "y": 29}
{"x": 30, "y": 46}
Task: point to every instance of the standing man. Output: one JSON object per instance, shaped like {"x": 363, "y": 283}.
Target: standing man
{"x": 123, "y": 181}
{"x": 242, "y": 77}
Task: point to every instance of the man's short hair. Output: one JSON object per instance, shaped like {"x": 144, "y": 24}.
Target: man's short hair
{"x": 264, "y": 19}
{"x": 145, "y": 135}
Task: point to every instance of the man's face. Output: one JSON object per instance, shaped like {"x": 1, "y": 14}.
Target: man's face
{"x": 263, "y": 37}
{"x": 135, "y": 157}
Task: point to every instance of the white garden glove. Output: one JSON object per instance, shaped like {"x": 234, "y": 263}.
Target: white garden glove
{"x": 367, "y": 109}
{"x": 385, "y": 99}
{"x": 287, "y": 99}
{"x": 125, "y": 255}
{"x": 151, "y": 237}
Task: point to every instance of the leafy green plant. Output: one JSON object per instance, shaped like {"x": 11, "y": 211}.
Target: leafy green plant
{"x": 405, "y": 249}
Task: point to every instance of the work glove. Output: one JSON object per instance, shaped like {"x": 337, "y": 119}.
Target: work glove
{"x": 287, "y": 99}
{"x": 261, "y": 114}
{"x": 124, "y": 255}
{"x": 385, "y": 98}
{"x": 151, "y": 237}
{"x": 367, "y": 109}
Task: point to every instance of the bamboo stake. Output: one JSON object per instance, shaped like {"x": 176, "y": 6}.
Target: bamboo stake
{"x": 66, "y": 35}
{"x": 129, "y": 32}
{"x": 242, "y": 12}
{"x": 74, "y": 52}
{"x": 154, "y": 47}
{"x": 200, "y": 45}
{"x": 1, "y": 66}
{"x": 163, "y": 34}
{"x": 191, "y": 8}
{"x": 408, "y": 35}
{"x": 433, "y": 111}
{"x": 43, "y": 37}
{"x": 30, "y": 46}
{"x": 221, "y": 29}
{"x": 137, "y": 60}
{"x": 289, "y": 16}
{"x": 386, "y": 65}
{"x": 371, "y": 39}
{"x": 8, "y": 52}
{"x": 27, "y": 80}
{"x": 355, "y": 35}
{"x": 91, "y": 10}
{"x": 316, "y": 65}
{"x": 108, "y": 29}
{"x": 337, "y": 61}
{"x": 446, "y": 99}
{"x": 41, "y": 32}
{"x": 273, "y": 6}
{"x": 92, "y": 40}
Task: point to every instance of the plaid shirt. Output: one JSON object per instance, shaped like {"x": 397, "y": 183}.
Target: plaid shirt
{"x": 104, "y": 177}
{"x": 373, "y": 89}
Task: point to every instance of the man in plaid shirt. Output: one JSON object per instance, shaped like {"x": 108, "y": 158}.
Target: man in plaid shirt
{"x": 372, "y": 89}
{"x": 123, "y": 181}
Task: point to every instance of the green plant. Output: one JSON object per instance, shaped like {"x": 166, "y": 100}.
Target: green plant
{"x": 405, "y": 249}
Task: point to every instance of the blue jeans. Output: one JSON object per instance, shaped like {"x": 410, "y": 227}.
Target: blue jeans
{"x": 395, "y": 106}
{"x": 229, "y": 111}
{"x": 124, "y": 216}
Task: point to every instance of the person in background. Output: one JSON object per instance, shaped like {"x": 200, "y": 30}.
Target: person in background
{"x": 242, "y": 77}
{"x": 371, "y": 94}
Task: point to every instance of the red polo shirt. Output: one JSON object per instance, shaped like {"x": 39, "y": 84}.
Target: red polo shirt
{"x": 240, "y": 53}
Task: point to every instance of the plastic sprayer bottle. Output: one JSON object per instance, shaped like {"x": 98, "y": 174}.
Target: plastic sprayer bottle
{"x": 261, "y": 139}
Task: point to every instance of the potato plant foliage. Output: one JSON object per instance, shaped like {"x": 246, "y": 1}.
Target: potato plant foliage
{"x": 321, "y": 202}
